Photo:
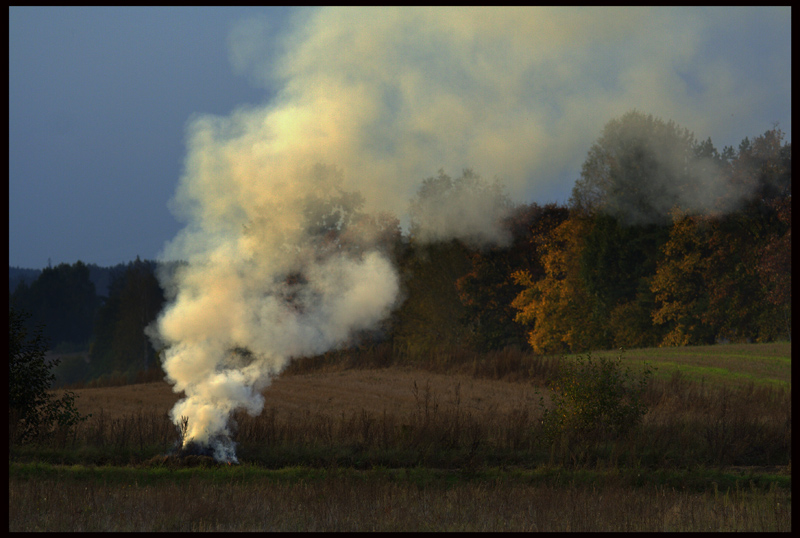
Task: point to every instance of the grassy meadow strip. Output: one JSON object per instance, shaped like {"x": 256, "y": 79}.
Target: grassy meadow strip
{"x": 381, "y": 500}
{"x": 721, "y": 364}
{"x": 696, "y": 480}
{"x": 716, "y": 375}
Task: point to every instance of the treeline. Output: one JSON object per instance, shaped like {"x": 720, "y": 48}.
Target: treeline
{"x": 101, "y": 335}
{"x": 665, "y": 241}
{"x": 101, "y": 277}
{"x": 16, "y": 275}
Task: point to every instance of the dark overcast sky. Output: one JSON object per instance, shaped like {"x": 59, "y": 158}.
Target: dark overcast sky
{"x": 100, "y": 98}
{"x": 98, "y": 104}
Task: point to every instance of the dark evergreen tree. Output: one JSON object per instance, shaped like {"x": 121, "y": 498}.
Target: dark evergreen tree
{"x": 18, "y": 275}
{"x": 141, "y": 299}
{"x": 63, "y": 300}
{"x": 120, "y": 344}
{"x": 616, "y": 258}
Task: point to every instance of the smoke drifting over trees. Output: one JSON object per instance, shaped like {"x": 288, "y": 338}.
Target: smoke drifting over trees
{"x": 465, "y": 208}
{"x": 285, "y": 250}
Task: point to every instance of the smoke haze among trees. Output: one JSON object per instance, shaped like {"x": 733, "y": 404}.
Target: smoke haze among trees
{"x": 665, "y": 241}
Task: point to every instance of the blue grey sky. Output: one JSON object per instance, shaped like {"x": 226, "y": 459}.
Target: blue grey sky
{"x": 99, "y": 99}
{"x": 102, "y": 101}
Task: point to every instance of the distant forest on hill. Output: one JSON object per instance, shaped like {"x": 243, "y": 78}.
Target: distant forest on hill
{"x": 101, "y": 277}
{"x": 665, "y": 242}
{"x": 19, "y": 274}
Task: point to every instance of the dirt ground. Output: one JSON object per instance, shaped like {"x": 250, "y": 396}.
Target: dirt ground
{"x": 390, "y": 389}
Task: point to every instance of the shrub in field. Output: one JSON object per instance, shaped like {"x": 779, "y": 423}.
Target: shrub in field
{"x": 33, "y": 411}
{"x": 594, "y": 399}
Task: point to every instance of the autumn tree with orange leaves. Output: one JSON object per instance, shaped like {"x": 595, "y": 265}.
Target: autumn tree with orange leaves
{"x": 727, "y": 275}
{"x": 488, "y": 289}
{"x": 557, "y": 308}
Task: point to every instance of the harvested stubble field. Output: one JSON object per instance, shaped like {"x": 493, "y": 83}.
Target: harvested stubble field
{"x": 334, "y": 393}
{"x": 397, "y": 448}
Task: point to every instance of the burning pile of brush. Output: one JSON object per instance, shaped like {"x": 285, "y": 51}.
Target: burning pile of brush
{"x": 191, "y": 454}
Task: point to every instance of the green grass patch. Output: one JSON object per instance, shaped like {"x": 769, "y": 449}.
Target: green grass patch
{"x": 696, "y": 480}
{"x": 85, "y": 454}
{"x": 721, "y": 364}
{"x": 714, "y": 374}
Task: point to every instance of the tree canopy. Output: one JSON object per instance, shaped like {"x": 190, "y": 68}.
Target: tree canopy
{"x": 641, "y": 167}
{"x": 664, "y": 241}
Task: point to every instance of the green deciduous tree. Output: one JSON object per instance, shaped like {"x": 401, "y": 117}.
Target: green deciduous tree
{"x": 329, "y": 210}
{"x": 431, "y": 316}
{"x": 450, "y": 219}
{"x": 761, "y": 169}
{"x": 775, "y": 264}
{"x": 466, "y": 208}
{"x": 33, "y": 411}
{"x": 631, "y": 323}
{"x": 641, "y": 167}
{"x": 737, "y": 307}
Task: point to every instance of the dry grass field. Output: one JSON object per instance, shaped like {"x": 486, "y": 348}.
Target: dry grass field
{"x": 336, "y": 390}
{"x": 447, "y": 445}
{"x": 348, "y": 501}
{"x": 391, "y": 389}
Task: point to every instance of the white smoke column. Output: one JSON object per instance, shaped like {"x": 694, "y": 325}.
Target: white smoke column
{"x": 247, "y": 235}
{"x": 373, "y": 101}
{"x": 235, "y": 302}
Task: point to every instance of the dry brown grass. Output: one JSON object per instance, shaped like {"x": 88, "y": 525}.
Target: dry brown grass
{"x": 334, "y": 393}
{"x": 477, "y": 416}
{"x": 347, "y": 503}
{"x": 116, "y": 402}
{"x": 389, "y": 409}
{"x": 398, "y": 417}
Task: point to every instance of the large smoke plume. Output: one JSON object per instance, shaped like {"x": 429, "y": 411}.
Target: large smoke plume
{"x": 369, "y": 102}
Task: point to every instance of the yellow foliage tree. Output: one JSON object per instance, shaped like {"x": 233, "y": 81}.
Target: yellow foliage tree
{"x": 557, "y": 307}
{"x": 679, "y": 284}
